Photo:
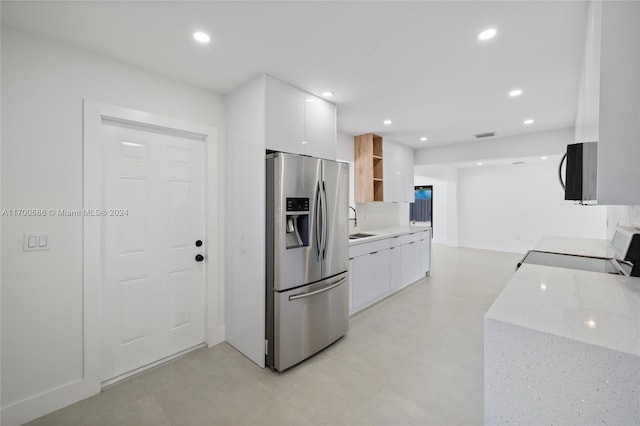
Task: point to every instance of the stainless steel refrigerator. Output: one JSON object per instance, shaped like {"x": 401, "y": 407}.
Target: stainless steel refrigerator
{"x": 307, "y": 256}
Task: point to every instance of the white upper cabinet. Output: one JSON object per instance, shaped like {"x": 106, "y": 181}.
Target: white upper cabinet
{"x": 408, "y": 176}
{"x": 320, "y": 128}
{"x": 609, "y": 99}
{"x": 398, "y": 172}
{"x": 284, "y": 117}
{"x": 392, "y": 172}
{"x": 299, "y": 122}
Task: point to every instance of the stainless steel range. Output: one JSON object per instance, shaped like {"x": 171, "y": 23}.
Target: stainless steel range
{"x": 624, "y": 248}
{"x": 307, "y": 258}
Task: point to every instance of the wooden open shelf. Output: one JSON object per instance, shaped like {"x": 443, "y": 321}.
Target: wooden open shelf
{"x": 369, "y": 179}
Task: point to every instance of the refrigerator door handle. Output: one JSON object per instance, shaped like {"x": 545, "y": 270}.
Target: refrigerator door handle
{"x": 325, "y": 215}
{"x": 322, "y": 290}
{"x": 316, "y": 218}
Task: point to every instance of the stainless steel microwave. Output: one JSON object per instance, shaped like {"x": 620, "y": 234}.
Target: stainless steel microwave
{"x": 581, "y": 172}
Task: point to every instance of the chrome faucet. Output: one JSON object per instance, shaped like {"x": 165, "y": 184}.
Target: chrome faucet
{"x": 355, "y": 220}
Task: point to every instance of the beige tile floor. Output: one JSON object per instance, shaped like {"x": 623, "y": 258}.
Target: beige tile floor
{"x": 416, "y": 358}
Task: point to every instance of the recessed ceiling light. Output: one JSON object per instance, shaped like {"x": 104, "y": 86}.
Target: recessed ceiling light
{"x": 387, "y": 122}
{"x": 304, "y": 142}
{"x": 515, "y": 92}
{"x": 327, "y": 94}
{"x": 479, "y": 164}
{"x": 423, "y": 139}
{"x": 309, "y": 100}
{"x": 201, "y": 37}
{"x": 487, "y": 34}
{"x": 528, "y": 121}
{"x": 544, "y": 158}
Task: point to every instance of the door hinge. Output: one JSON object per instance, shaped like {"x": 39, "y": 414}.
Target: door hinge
{"x": 266, "y": 347}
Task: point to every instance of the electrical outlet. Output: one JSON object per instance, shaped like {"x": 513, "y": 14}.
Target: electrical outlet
{"x": 36, "y": 242}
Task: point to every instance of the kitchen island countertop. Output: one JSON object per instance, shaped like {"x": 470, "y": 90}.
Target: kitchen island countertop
{"x": 562, "y": 346}
{"x": 591, "y": 307}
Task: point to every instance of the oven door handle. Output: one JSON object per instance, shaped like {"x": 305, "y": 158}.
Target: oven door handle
{"x": 313, "y": 293}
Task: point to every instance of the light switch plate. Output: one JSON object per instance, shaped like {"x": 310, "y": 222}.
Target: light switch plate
{"x": 36, "y": 242}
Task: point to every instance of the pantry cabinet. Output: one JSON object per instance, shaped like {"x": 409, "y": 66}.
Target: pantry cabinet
{"x": 298, "y": 122}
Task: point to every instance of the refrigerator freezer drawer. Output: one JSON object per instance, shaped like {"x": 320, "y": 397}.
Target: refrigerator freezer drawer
{"x": 308, "y": 319}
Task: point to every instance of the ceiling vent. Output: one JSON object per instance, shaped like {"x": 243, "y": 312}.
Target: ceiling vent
{"x": 485, "y": 135}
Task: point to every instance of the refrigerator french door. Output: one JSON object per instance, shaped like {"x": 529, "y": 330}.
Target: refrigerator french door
{"x": 307, "y": 284}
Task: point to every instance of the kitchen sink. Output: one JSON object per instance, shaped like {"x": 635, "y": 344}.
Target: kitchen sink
{"x": 360, "y": 235}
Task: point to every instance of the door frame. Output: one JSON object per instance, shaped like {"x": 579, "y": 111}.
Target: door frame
{"x": 93, "y": 198}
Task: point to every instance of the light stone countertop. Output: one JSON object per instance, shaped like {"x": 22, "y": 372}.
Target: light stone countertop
{"x": 591, "y": 307}
{"x": 573, "y": 245}
{"x": 562, "y": 346}
{"x": 382, "y": 233}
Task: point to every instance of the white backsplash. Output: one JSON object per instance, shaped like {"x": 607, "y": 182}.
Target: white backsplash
{"x": 379, "y": 215}
{"x": 622, "y": 215}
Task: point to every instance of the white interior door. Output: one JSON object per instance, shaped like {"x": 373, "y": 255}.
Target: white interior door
{"x": 153, "y": 296}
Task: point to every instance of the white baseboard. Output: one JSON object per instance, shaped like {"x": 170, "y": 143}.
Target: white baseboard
{"x": 37, "y": 406}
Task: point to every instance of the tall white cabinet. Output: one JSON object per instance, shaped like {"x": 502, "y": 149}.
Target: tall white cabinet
{"x": 609, "y": 99}
{"x": 263, "y": 114}
{"x": 398, "y": 172}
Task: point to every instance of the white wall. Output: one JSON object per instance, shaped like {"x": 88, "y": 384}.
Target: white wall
{"x": 532, "y": 145}
{"x": 43, "y": 86}
{"x": 444, "y": 203}
{"x": 444, "y": 179}
{"x": 510, "y": 207}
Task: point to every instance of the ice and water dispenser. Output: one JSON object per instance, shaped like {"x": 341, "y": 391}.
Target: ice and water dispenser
{"x": 297, "y": 222}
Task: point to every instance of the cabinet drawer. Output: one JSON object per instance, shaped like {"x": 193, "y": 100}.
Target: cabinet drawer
{"x": 396, "y": 241}
{"x": 406, "y": 239}
{"x": 422, "y": 235}
{"x": 366, "y": 248}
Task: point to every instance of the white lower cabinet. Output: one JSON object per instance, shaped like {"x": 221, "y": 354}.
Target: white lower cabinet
{"x": 410, "y": 263}
{"x": 425, "y": 253}
{"x": 369, "y": 278}
{"x": 361, "y": 284}
{"x": 395, "y": 268}
{"x": 382, "y": 267}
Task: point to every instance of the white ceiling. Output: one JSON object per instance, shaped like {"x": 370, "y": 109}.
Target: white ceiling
{"x": 417, "y": 63}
